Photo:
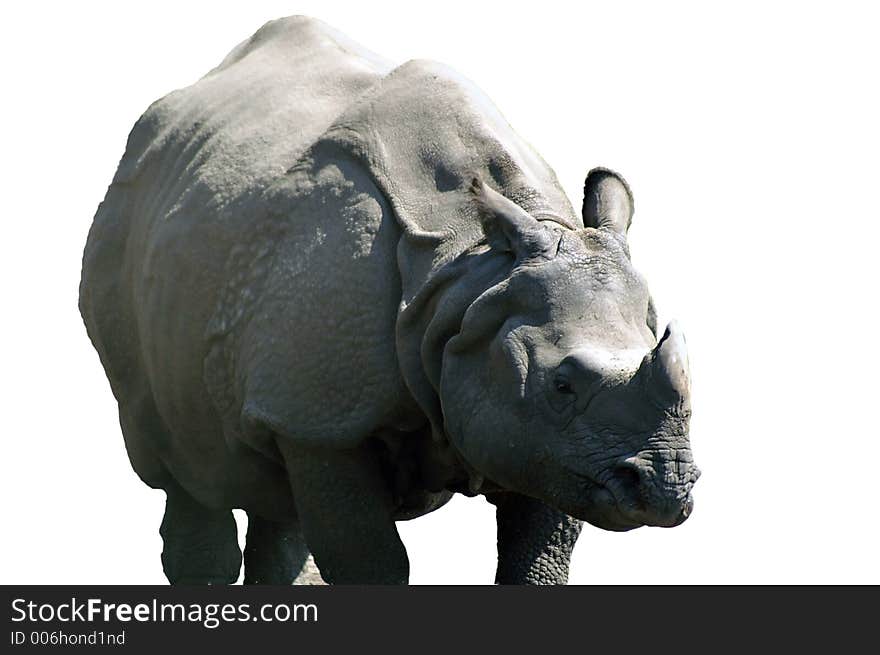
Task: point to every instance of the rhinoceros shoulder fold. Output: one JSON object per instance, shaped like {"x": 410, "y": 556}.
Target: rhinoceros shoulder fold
{"x": 424, "y": 131}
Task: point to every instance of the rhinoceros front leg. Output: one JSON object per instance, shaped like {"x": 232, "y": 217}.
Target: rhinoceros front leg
{"x": 276, "y": 553}
{"x": 347, "y": 515}
{"x": 535, "y": 542}
{"x": 200, "y": 544}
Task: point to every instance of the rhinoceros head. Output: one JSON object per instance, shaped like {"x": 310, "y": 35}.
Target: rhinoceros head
{"x": 556, "y": 385}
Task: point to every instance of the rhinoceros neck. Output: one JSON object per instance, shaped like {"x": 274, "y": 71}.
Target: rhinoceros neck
{"x": 424, "y": 327}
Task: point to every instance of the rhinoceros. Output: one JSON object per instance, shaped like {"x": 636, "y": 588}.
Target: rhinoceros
{"x": 334, "y": 292}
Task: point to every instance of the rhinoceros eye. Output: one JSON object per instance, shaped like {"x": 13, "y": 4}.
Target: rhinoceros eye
{"x": 563, "y": 385}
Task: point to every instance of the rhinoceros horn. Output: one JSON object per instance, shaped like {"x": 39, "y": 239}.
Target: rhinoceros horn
{"x": 670, "y": 371}
{"x": 608, "y": 201}
{"x": 508, "y": 227}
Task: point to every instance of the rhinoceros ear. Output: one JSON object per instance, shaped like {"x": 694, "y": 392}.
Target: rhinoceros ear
{"x": 608, "y": 201}
{"x": 508, "y": 227}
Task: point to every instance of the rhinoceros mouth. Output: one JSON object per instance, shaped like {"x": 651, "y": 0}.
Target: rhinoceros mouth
{"x": 665, "y": 514}
{"x": 671, "y": 515}
{"x": 622, "y": 502}
{"x": 608, "y": 513}
{"x": 601, "y": 507}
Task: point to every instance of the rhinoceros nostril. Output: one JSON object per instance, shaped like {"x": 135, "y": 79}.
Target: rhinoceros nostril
{"x": 629, "y": 476}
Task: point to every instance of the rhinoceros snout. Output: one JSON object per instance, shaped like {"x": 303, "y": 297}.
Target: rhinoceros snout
{"x": 654, "y": 494}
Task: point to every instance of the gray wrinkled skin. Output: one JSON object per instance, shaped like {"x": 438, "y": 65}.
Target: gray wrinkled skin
{"x": 333, "y": 292}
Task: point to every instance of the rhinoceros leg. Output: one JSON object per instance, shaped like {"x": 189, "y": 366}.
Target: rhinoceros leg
{"x": 347, "y": 515}
{"x": 276, "y": 553}
{"x": 534, "y": 541}
{"x": 200, "y": 543}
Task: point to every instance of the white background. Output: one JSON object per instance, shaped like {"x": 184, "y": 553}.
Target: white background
{"x": 750, "y": 138}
